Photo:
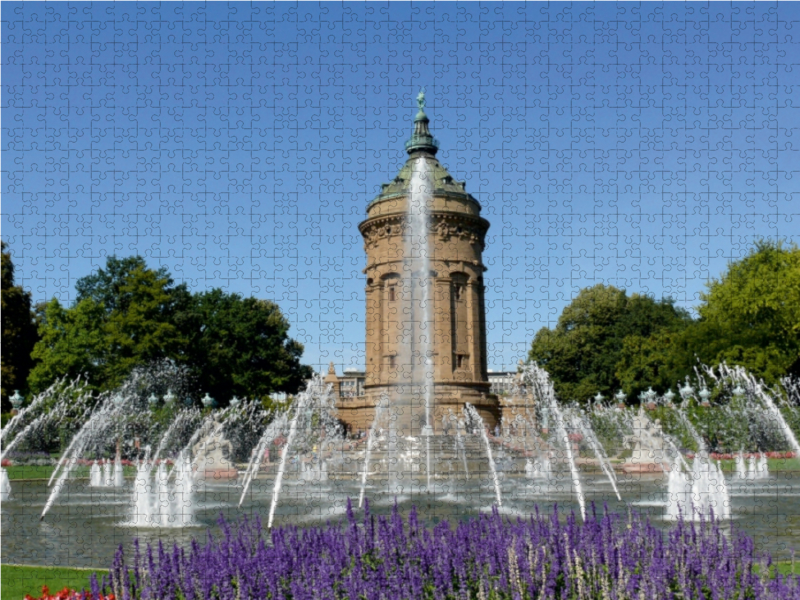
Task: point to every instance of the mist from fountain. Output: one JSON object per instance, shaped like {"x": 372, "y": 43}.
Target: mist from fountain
{"x": 315, "y": 390}
{"x": 271, "y": 432}
{"x": 459, "y": 441}
{"x": 29, "y": 428}
{"x": 701, "y": 444}
{"x": 539, "y": 468}
{"x": 694, "y": 495}
{"x": 539, "y": 381}
{"x": 184, "y": 419}
{"x": 161, "y": 503}
{"x": 75, "y": 391}
{"x": 753, "y": 469}
{"x": 371, "y": 435}
{"x": 419, "y": 323}
{"x": 94, "y": 430}
{"x": 475, "y": 419}
{"x": 5, "y": 485}
{"x": 589, "y": 435}
{"x": 95, "y": 475}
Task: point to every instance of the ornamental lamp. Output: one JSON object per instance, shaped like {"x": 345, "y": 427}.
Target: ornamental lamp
{"x": 235, "y": 401}
{"x": 669, "y": 396}
{"x": 207, "y": 401}
{"x": 687, "y": 391}
{"x": 704, "y": 396}
{"x": 152, "y": 400}
{"x": 17, "y": 400}
{"x": 169, "y": 397}
{"x": 738, "y": 391}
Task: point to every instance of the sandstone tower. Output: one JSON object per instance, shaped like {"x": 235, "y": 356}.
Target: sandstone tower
{"x": 400, "y": 342}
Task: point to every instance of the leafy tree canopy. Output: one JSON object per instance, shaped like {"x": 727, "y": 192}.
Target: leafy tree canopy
{"x": 19, "y": 331}
{"x": 752, "y": 313}
{"x": 581, "y": 353}
{"x": 240, "y": 346}
{"x": 122, "y": 318}
{"x": 127, "y": 315}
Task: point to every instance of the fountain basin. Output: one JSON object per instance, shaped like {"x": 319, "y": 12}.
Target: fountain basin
{"x": 643, "y": 468}
{"x": 222, "y": 474}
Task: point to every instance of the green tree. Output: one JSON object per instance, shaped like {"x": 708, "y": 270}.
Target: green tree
{"x": 240, "y": 346}
{"x": 581, "y": 353}
{"x": 123, "y": 317}
{"x": 19, "y": 331}
{"x": 751, "y": 314}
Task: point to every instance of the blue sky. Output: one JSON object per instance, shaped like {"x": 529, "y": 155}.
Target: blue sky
{"x": 238, "y": 145}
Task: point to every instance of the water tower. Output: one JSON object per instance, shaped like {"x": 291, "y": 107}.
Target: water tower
{"x": 424, "y": 319}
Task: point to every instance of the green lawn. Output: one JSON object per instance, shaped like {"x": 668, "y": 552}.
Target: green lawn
{"x": 784, "y": 568}
{"x": 44, "y": 472}
{"x": 775, "y": 464}
{"x": 18, "y": 581}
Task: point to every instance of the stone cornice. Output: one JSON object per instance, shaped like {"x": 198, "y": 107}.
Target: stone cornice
{"x": 447, "y": 225}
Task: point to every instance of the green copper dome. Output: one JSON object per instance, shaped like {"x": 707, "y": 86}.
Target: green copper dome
{"x": 423, "y": 146}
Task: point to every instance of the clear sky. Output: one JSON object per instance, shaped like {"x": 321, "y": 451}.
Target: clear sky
{"x": 238, "y": 145}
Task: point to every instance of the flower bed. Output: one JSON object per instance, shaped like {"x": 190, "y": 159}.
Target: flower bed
{"x": 607, "y": 557}
{"x": 68, "y": 594}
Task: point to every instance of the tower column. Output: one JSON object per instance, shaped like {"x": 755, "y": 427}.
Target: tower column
{"x": 456, "y": 335}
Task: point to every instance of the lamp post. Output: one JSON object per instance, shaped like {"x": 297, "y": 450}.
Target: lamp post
{"x": 669, "y": 396}
{"x": 16, "y": 402}
{"x": 169, "y": 398}
{"x": 738, "y": 391}
{"x": 598, "y": 399}
{"x": 704, "y": 396}
{"x": 208, "y": 401}
{"x": 152, "y": 400}
{"x": 687, "y": 391}
{"x": 235, "y": 401}
{"x": 648, "y": 398}
{"x": 620, "y": 398}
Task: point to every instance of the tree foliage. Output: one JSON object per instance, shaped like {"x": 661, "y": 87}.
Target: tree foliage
{"x": 19, "y": 331}
{"x": 750, "y": 316}
{"x": 240, "y": 346}
{"x": 752, "y": 313}
{"x": 582, "y": 352}
{"x": 122, "y": 318}
{"x": 127, "y": 315}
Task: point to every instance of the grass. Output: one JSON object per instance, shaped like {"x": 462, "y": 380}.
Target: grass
{"x": 17, "y": 581}
{"x": 775, "y": 464}
{"x": 44, "y": 472}
{"x": 784, "y": 567}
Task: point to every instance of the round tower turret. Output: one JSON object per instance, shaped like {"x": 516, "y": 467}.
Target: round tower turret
{"x": 456, "y": 334}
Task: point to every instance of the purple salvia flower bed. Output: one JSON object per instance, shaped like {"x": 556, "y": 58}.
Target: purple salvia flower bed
{"x": 388, "y": 558}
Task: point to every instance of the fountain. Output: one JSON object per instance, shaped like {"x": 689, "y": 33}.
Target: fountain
{"x": 649, "y": 446}
{"x": 96, "y": 475}
{"x": 5, "y": 485}
{"x": 167, "y": 500}
{"x": 538, "y": 380}
{"x": 540, "y": 468}
{"x": 694, "y": 495}
{"x": 474, "y": 418}
{"x": 756, "y": 467}
{"x": 458, "y": 468}
{"x": 210, "y": 456}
